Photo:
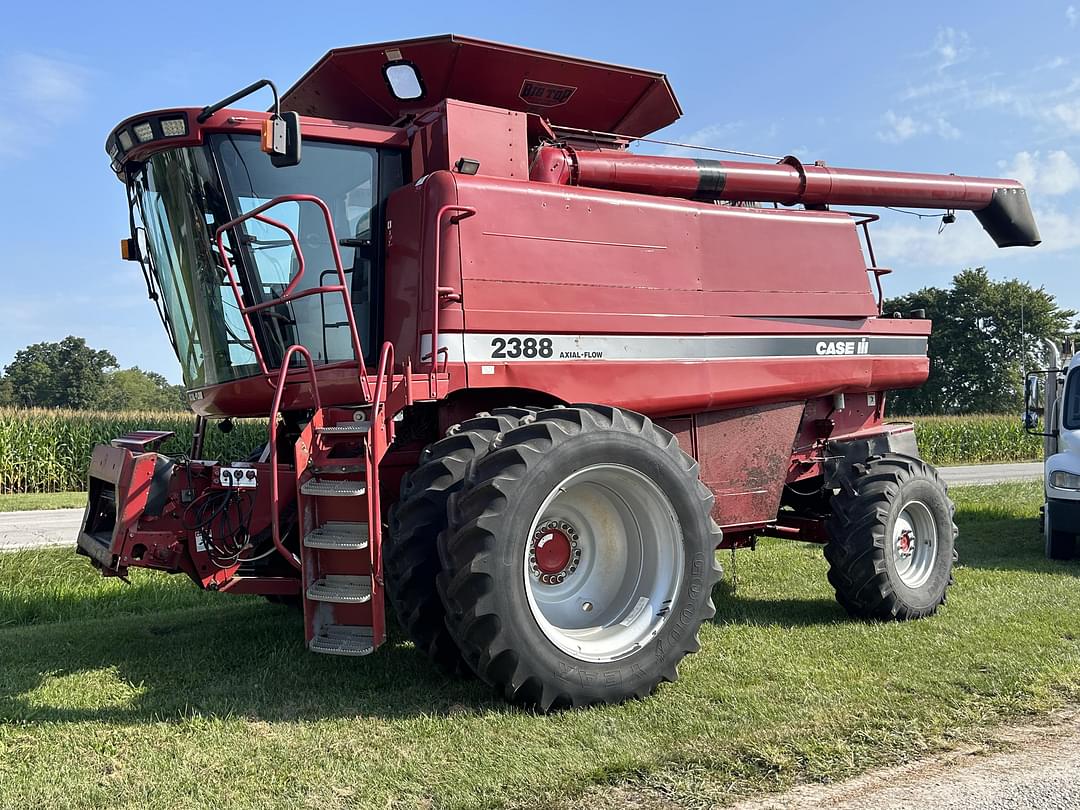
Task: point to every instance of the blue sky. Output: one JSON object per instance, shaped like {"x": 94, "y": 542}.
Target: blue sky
{"x": 987, "y": 89}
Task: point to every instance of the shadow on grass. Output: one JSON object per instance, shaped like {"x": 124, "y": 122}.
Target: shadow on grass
{"x": 245, "y": 658}
{"x": 731, "y": 608}
{"x": 998, "y": 540}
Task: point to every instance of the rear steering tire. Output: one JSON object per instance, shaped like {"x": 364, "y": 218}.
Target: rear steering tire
{"x": 891, "y": 539}
{"x": 579, "y": 559}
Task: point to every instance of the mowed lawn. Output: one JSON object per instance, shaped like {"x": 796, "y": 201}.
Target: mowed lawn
{"x": 156, "y": 695}
{"x": 42, "y": 500}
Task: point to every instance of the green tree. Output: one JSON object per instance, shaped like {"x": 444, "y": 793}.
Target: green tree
{"x": 68, "y": 374}
{"x": 985, "y": 334}
{"x": 133, "y": 389}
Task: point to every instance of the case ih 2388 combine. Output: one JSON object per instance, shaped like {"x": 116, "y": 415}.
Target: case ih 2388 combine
{"x": 465, "y": 251}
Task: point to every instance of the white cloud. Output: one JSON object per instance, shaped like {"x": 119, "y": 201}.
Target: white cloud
{"x": 41, "y": 93}
{"x": 899, "y": 128}
{"x": 1067, "y": 114}
{"x": 1053, "y": 175}
{"x": 1072, "y": 15}
{"x": 951, "y": 47}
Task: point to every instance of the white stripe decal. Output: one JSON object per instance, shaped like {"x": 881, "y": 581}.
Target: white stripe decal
{"x": 538, "y": 347}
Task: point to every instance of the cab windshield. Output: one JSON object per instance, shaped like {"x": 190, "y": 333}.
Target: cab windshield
{"x": 183, "y": 196}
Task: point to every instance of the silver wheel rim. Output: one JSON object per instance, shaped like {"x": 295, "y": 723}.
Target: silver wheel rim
{"x": 914, "y": 543}
{"x": 623, "y": 569}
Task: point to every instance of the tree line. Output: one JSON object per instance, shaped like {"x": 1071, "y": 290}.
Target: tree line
{"x": 71, "y": 374}
{"x": 986, "y": 335}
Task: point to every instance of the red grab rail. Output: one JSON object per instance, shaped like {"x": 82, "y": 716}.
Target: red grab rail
{"x": 290, "y": 293}
{"x": 279, "y": 391}
{"x": 438, "y": 292}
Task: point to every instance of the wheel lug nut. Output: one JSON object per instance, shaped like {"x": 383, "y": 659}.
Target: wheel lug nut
{"x": 586, "y": 606}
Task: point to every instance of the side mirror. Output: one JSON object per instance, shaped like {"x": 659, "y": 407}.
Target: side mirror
{"x": 1033, "y": 393}
{"x": 1036, "y": 405}
{"x": 281, "y": 139}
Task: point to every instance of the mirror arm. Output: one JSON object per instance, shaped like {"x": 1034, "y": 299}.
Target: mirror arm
{"x": 239, "y": 94}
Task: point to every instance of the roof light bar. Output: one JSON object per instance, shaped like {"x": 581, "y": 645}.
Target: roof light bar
{"x": 173, "y": 127}
{"x": 144, "y": 132}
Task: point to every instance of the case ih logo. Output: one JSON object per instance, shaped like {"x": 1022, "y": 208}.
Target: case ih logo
{"x": 544, "y": 94}
{"x": 843, "y": 347}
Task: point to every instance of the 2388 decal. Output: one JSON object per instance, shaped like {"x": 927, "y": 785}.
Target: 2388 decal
{"x": 509, "y": 348}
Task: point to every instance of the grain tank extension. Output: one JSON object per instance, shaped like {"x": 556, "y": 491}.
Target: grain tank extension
{"x": 520, "y": 383}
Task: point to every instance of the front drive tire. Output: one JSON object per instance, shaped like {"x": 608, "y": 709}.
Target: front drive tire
{"x": 891, "y": 539}
{"x": 579, "y": 560}
{"x": 410, "y": 556}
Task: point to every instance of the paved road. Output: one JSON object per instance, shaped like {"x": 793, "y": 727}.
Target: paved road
{"x": 57, "y": 527}
{"x": 1039, "y": 770}
{"x": 992, "y": 473}
{"x": 45, "y": 527}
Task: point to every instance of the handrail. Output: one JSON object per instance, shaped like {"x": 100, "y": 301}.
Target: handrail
{"x": 289, "y": 293}
{"x": 386, "y": 367}
{"x": 381, "y": 430}
{"x": 279, "y": 391}
{"x": 465, "y": 211}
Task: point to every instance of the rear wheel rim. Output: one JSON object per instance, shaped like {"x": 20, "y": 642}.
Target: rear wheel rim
{"x": 622, "y": 545}
{"x": 915, "y": 544}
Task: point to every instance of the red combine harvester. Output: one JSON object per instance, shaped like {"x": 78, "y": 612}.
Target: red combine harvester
{"x": 463, "y": 252}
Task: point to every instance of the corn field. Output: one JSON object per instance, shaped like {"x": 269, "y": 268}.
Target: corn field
{"x": 975, "y": 439}
{"x": 49, "y": 450}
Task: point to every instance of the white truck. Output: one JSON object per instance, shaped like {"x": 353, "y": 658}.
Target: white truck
{"x": 1052, "y": 398}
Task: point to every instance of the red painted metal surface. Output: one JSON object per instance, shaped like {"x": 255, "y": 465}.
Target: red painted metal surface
{"x": 348, "y": 84}
{"x": 788, "y": 182}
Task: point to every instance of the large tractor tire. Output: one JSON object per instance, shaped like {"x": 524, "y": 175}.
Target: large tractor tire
{"x": 1059, "y": 545}
{"x": 410, "y": 555}
{"x": 891, "y": 539}
{"x": 580, "y": 559}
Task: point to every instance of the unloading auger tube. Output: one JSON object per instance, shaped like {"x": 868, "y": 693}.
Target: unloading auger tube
{"x": 1000, "y": 205}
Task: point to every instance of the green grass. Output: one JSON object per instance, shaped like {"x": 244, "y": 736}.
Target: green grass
{"x": 42, "y": 500}
{"x": 157, "y": 695}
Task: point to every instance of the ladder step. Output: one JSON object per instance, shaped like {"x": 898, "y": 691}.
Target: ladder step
{"x": 340, "y": 588}
{"x": 343, "y": 639}
{"x": 338, "y": 536}
{"x": 331, "y": 488}
{"x": 346, "y": 428}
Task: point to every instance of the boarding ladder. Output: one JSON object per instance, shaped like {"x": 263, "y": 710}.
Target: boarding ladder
{"x": 337, "y": 458}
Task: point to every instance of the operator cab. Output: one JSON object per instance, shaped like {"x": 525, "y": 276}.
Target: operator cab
{"x": 186, "y": 180}
{"x": 429, "y": 106}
